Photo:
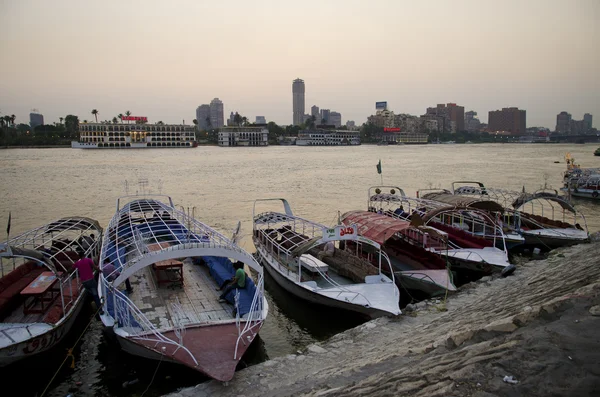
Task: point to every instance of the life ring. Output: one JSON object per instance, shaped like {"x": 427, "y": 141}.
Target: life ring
{"x": 595, "y": 194}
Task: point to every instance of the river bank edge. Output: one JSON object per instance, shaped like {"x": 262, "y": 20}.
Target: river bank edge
{"x": 538, "y": 326}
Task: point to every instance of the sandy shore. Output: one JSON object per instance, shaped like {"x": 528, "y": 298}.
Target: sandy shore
{"x": 541, "y": 326}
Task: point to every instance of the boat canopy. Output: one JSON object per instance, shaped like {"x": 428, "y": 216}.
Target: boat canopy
{"x": 73, "y": 223}
{"x": 7, "y": 250}
{"x": 526, "y": 198}
{"x": 376, "y": 227}
{"x": 465, "y": 201}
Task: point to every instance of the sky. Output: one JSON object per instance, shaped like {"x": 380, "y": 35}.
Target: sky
{"x": 162, "y": 59}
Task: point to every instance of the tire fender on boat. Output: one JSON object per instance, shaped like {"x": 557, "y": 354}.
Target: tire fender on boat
{"x": 508, "y": 270}
{"x": 595, "y": 194}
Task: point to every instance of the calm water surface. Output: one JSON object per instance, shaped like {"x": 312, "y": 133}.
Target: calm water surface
{"x": 40, "y": 185}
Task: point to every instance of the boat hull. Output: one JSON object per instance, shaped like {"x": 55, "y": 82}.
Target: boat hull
{"x": 213, "y": 347}
{"x": 550, "y": 242}
{"x": 310, "y": 296}
{"x": 43, "y": 342}
{"x": 429, "y": 288}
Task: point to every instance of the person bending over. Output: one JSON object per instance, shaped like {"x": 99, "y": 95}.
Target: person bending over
{"x": 85, "y": 267}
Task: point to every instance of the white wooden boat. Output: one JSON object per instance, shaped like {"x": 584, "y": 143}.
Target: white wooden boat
{"x": 288, "y": 246}
{"x": 175, "y": 264}
{"x": 543, "y": 218}
{"x": 40, "y": 291}
{"x": 476, "y": 243}
{"x": 411, "y": 250}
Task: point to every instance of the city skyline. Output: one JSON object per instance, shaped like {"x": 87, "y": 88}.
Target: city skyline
{"x": 61, "y": 59}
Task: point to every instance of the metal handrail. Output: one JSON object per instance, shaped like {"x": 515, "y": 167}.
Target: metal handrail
{"x": 254, "y": 315}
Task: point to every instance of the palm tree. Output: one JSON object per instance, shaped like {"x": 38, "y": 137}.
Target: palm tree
{"x": 12, "y": 119}
{"x": 61, "y": 119}
{"x": 237, "y": 118}
{"x": 120, "y": 116}
{"x": 244, "y": 120}
{"x": 85, "y": 121}
{"x": 95, "y": 113}
{"x": 114, "y": 120}
{"x": 128, "y": 113}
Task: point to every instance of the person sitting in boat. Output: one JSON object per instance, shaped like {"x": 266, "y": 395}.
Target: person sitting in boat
{"x": 328, "y": 250}
{"x": 237, "y": 282}
{"x": 400, "y": 212}
{"x": 110, "y": 273}
{"x": 86, "y": 266}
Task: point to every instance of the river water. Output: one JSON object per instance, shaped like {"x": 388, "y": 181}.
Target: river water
{"x": 40, "y": 185}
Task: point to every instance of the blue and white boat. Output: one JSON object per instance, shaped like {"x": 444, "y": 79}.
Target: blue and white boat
{"x": 175, "y": 265}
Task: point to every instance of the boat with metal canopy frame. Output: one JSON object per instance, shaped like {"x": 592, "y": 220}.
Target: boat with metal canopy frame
{"x": 411, "y": 251}
{"x": 543, "y": 218}
{"x": 476, "y": 243}
{"x": 177, "y": 264}
{"x": 289, "y": 247}
{"x": 40, "y": 290}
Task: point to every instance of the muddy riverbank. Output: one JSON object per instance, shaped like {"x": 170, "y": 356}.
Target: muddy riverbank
{"x": 539, "y": 326}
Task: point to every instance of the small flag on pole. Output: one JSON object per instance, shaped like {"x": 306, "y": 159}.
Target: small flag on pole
{"x": 379, "y": 167}
{"x": 8, "y": 227}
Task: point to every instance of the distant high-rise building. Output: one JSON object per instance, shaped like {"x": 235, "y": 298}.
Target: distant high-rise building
{"x": 298, "y": 101}
{"x": 511, "y": 120}
{"x": 350, "y": 124}
{"x": 453, "y": 116}
{"x": 314, "y": 111}
{"x": 563, "y": 123}
{"x": 472, "y": 123}
{"x": 335, "y": 118}
{"x": 217, "y": 118}
{"x": 203, "y": 117}
{"x": 324, "y": 117}
{"x": 261, "y": 120}
{"x": 36, "y": 119}
{"x": 587, "y": 119}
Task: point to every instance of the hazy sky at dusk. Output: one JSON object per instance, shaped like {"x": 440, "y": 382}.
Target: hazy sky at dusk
{"x": 162, "y": 59}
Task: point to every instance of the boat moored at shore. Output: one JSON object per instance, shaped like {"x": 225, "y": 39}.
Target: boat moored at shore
{"x": 176, "y": 265}
{"x": 41, "y": 293}
{"x": 302, "y": 257}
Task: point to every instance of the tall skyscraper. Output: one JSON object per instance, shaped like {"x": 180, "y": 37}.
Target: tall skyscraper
{"x": 511, "y": 120}
{"x": 35, "y": 119}
{"x": 587, "y": 119}
{"x": 217, "y": 118}
{"x": 203, "y": 117}
{"x": 298, "y": 101}
{"x": 563, "y": 123}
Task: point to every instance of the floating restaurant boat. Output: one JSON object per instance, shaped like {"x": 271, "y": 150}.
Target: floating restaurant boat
{"x": 175, "y": 264}
{"x": 40, "y": 290}
{"x": 290, "y": 248}
{"x": 412, "y": 250}
{"x": 134, "y": 136}
{"x": 328, "y": 138}
{"x": 476, "y": 243}
{"x": 544, "y": 219}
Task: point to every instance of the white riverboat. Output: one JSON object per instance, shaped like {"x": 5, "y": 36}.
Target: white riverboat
{"x": 476, "y": 242}
{"x": 328, "y": 138}
{"x": 134, "y": 136}
{"x": 544, "y": 219}
{"x": 40, "y": 290}
{"x": 175, "y": 265}
{"x": 290, "y": 248}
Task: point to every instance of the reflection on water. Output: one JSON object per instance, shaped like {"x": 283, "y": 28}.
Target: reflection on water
{"x": 41, "y": 185}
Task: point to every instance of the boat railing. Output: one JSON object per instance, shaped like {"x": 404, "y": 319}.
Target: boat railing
{"x": 66, "y": 284}
{"x": 342, "y": 289}
{"x": 127, "y": 315}
{"x": 254, "y": 317}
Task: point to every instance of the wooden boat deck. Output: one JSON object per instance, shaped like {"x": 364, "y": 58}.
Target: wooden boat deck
{"x": 197, "y": 298}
